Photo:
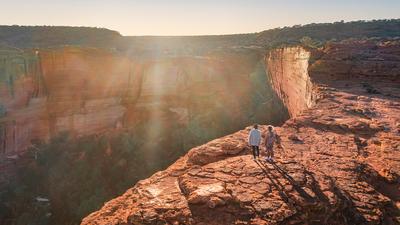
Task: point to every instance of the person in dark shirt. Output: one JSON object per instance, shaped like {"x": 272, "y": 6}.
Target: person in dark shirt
{"x": 270, "y": 139}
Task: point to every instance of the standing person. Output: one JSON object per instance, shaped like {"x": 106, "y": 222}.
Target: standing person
{"x": 270, "y": 139}
{"x": 255, "y": 140}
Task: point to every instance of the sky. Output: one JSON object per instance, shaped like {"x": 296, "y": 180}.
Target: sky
{"x": 189, "y": 17}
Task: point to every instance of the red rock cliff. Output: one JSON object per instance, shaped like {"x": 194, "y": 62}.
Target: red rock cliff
{"x": 338, "y": 163}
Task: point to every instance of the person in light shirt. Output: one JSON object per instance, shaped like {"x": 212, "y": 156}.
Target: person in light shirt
{"x": 255, "y": 141}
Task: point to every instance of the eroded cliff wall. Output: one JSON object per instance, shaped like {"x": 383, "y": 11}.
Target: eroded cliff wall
{"x": 337, "y": 161}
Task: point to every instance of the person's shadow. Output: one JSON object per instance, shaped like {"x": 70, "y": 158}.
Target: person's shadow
{"x": 318, "y": 196}
{"x": 275, "y": 182}
{"x": 295, "y": 185}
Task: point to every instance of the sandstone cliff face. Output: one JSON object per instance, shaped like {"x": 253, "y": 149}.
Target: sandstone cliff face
{"x": 86, "y": 91}
{"x": 338, "y": 162}
{"x": 68, "y": 89}
{"x": 289, "y": 77}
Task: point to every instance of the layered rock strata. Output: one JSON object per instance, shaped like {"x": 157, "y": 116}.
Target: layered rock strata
{"x": 338, "y": 161}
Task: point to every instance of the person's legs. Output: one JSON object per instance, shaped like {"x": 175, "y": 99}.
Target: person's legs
{"x": 269, "y": 152}
{"x": 258, "y": 151}
{"x": 272, "y": 152}
{"x": 253, "y": 148}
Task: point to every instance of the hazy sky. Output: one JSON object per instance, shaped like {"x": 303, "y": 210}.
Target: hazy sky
{"x": 189, "y": 17}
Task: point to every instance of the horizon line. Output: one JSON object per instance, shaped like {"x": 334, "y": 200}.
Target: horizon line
{"x": 199, "y": 35}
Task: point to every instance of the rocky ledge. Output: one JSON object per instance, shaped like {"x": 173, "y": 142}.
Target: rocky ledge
{"x": 338, "y": 163}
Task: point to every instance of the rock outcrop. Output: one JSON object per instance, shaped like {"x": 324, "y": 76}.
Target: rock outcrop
{"x": 338, "y": 161}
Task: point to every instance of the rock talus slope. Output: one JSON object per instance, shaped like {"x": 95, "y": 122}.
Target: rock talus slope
{"x": 338, "y": 162}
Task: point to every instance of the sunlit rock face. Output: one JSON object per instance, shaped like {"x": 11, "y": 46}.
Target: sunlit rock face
{"x": 290, "y": 79}
{"x": 338, "y": 162}
{"x": 173, "y": 102}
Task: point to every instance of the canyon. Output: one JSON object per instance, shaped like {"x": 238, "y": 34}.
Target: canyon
{"x": 87, "y": 91}
{"x": 86, "y": 113}
{"x": 337, "y": 162}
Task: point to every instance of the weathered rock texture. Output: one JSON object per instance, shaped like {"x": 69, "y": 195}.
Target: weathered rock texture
{"x": 85, "y": 91}
{"x": 338, "y": 163}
